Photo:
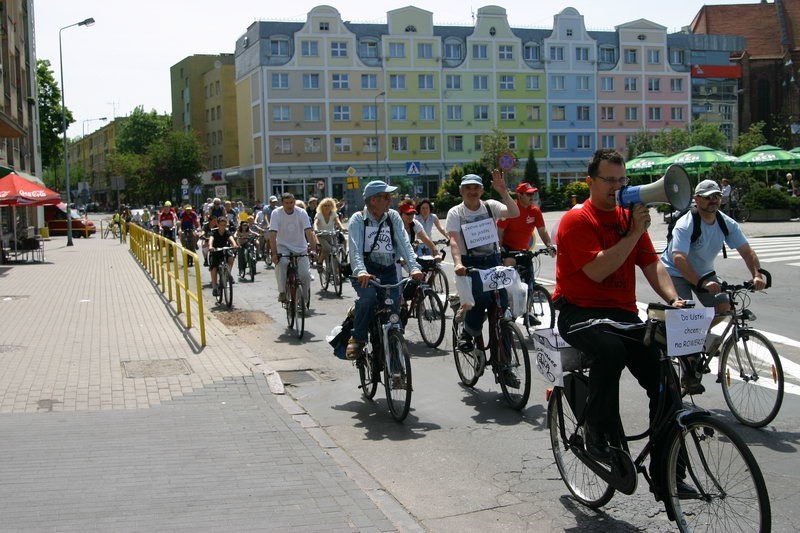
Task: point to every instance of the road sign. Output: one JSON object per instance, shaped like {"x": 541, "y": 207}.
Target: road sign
{"x": 506, "y": 161}
{"x": 220, "y": 191}
{"x": 352, "y": 183}
{"x": 185, "y": 192}
{"x": 412, "y": 168}
{"x": 184, "y": 182}
{"x": 198, "y": 189}
{"x": 351, "y": 171}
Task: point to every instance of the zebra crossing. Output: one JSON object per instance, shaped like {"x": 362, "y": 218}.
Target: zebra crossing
{"x": 769, "y": 249}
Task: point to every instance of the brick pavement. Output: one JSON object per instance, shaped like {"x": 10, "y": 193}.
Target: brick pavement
{"x": 198, "y": 444}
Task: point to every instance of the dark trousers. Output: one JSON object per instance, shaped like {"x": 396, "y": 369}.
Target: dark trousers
{"x": 473, "y": 318}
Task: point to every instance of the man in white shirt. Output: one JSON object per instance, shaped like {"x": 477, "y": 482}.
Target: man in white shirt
{"x": 290, "y": 232}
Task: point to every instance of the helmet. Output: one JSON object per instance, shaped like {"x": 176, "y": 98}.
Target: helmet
{"x": 167, "y": 204}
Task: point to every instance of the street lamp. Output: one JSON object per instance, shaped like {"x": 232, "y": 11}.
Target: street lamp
{"x": 90, "y": 120}
{"x": 85, "y": 22}
{"x": 377, "y": 141}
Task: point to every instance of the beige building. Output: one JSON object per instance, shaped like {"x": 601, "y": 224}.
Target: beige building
{"x": 87, "y": 164}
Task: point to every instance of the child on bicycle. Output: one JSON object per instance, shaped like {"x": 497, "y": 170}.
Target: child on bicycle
{"x": 219, "y": 238}
{"x": 242, "y": 235}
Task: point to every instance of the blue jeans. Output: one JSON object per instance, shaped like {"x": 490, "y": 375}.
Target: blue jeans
{"x": 367, "y": 299}
{"x": 473, "y": 318}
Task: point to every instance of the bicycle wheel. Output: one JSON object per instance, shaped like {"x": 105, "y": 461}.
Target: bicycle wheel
{"x": 430, "y": 318}
{"x": 291, "y": 307}
{"x": 336, "y": 275}
{"x": 300, "y": 314}
{"x": 586, "y": 486}
{"x": 751, "y": 375}
{"x": 539, "y": 307}
{"x": 468, "y": 364}
{"x": 397, "y": 376}
{"x": 367, "y": 374}
{"x": 220, "y": 284}
{"x": 251, "y": 263}
{"x": 744, "y": 214}
{"x": 728, "y": 490}
{"x": 439, "y": 284}
{"x": 227, "y": 288}
{"x": 515, "y": 371}
{"x": 325, "y": 275}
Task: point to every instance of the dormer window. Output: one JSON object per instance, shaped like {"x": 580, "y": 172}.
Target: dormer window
{"x": 324, "y": 26}
{"x": 411, "y": 29}
{"x": 569, "y": 32}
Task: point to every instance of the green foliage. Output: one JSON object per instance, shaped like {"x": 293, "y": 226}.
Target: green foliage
{"x": 706, "y": 134}
{"x": 767, "y": 198}
{"x": 493, "y": 145}
{"x": 641, "y": 142}
{"x": 142, "y": 129}
{"x": 531, "y": 174}
{"x": 752, "y": 138}
{"x": 177, "y": 155}
{"x": 672, "y": 141}
{"x": 579, "y": 189}
{"x": 449, "y": 192}
{"x": 781, "y": 130}
{"x": 51, "y": 121}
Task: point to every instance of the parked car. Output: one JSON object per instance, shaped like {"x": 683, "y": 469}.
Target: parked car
{"x": 55, "y": 216}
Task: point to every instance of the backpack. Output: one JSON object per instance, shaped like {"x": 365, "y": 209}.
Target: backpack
{"x": 696, "y": 227}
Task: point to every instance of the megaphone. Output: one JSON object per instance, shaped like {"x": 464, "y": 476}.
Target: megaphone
{"x": 673, "y": 188}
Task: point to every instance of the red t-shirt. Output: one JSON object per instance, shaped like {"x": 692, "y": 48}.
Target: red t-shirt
{"x": 582, "y": 234}
{"x": 518, "y": 230}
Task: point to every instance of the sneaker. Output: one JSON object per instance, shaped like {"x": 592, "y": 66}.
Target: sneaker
{"x": 465, "y": 342}
{"x": 282, "y": 297}
{"x": 355, "y": 349}
{"x": 685, "y": 491}
{"x": 690, "y": 383}
{"x": 205, "y": 263}
{"x": 596, "y": 445}
{"x": 215, "y": 290}
{"x": 509, "y": 377}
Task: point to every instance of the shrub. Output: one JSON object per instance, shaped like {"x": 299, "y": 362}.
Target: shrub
{"x": 579, "y": 189}
{"x": 767, "y": 198}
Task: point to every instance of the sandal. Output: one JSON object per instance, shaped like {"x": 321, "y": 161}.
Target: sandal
{"x": 354, "y": 349}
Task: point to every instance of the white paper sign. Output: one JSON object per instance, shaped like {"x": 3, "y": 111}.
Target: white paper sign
{"x": 479, "y": 233}
{"x": 499, "y": 277}
{"x": 384, "y": 240}
{"x": 687, "y": 329}
{"x": 553, "y": 355}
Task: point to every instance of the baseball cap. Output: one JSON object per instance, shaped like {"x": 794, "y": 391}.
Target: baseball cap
{"x": 707, "y": 188}
{"x": 526, "y": 188}
{"x": 273, "y": 198}
{"x": 167, "y": 204}
{"x": 408, "y": 208}
{"x": 471, "y": 179}
{"x": 377, "y": 187}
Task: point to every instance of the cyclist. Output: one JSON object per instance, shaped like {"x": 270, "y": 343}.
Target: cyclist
{"x": 326, "y": 219}
{"x": 243, "y": 233}
{"x": 690, "y": 255}
{"x": 600, "y": 245}
{"x": 219, "y": 238}
{"x": 290, "y": 232}
{"x": 516, "y": 233}
{"x": 167, "y": 220}
{"x": 208, "y": 228}
{"x": 376, "y": 241}
{"x": 414, "y": 228}
{"x": 428, "y": 219}
{"x": 189, "y": 224}
{"x": 474, "y": 243}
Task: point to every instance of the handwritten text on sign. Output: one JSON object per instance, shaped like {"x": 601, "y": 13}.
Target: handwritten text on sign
{"x": 687, "y": 330}
{"x": 479, "y": 233}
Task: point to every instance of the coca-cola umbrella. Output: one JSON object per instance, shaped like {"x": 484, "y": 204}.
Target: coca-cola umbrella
{"x": 17, "y": 191}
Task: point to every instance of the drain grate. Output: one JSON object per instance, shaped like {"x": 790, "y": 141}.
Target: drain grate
{"x": 291, "y": 377}
{"x": 161, "y": 368}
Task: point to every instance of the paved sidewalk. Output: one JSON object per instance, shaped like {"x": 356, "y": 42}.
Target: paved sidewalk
{"x": 112, "y": 419}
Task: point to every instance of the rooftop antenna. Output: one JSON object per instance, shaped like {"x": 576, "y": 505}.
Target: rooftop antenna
{"x": 472, "y": 11}
{"x": 113, "y": 108}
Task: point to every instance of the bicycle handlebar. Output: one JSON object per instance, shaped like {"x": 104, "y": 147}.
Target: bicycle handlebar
{"x": 746, "y": 285}
{"x": 376, "y": 282}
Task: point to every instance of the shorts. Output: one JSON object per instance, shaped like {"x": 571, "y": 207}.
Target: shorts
{"x": 685, "y": 291}
{"x": 215, "y": 258}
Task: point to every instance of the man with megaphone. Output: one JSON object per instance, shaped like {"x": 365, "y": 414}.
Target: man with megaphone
{"x": 599, "y": 247}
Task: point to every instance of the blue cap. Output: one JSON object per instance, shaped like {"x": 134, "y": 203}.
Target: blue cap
{"x": 377, "y": 187}
{"x": 471, "y": 179}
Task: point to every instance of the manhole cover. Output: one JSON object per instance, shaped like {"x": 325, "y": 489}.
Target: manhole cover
{"x": 156, "y": 369}
{"x": 296, "y": 376}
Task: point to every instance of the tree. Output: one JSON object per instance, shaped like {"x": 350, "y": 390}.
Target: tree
{"x": 450, "y": 193}
{"x": 493, "y": 145}
{"x": 672, "y": 141}
{"x": 752, "y": 138}
{"x": 176, "y": 156}
{"x": 640, "y": 143}
{"x": 532, "y": 170}
{"x": 142, "y": 129}
{"x": 51, "y": 121}
{"x": 706, "y": 134}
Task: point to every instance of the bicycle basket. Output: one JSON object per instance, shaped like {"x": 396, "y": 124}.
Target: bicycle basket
{"x": 554, "y": 357}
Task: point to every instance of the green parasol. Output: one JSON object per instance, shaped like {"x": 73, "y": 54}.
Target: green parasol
{"x": 768, "y": 157}
{"x": 644, "y": 163}
{"x": 698, "y": 159}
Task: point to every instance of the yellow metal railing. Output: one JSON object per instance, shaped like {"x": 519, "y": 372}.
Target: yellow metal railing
{"x": 168, "y": 264}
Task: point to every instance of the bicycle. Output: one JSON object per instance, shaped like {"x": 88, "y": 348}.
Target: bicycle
{"x": 539, "y": 311}
{"x": 332, "y": 266}
{"x": 225, "y": 276}
{"x": 509, "y": 357}
{"x": 111, "y": 228}
{"x": 424, "y": 305}
{"x": 435, "y": 276}
{"x": 700, "y": 468}
{"x": 386, "y": 353}
{"x": 750, "y": 370}
{"x": 737, "y": 210}
{"x": 250, "y": 253}
{"x": 296, "y": 296}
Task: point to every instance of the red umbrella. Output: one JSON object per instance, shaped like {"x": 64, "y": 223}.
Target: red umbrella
{"x": 17, "y": 191}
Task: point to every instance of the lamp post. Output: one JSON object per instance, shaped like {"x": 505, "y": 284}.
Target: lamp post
{"x": 85, "y": 22}
{"x": 90, "y": 120}
{"x": 377, "y": 141}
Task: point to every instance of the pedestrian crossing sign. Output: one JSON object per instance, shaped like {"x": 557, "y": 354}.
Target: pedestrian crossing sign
{"x": 412, "y": 168}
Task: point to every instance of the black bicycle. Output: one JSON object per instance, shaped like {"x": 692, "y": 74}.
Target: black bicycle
{"x": 224, "y": 275}
{"x": 422, "y": 302}
{"x": 434, "y": 275}
{"x": 701, "y": 469}
{"x": 296, "y": 296}
{"x": 250, "y": 249}
{"x": 331, "y": 272}
{"x": 539, "y": 311}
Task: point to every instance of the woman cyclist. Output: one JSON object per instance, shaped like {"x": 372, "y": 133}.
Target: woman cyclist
{"x": 326, "y": 219}
{"x": 243, "y": 233}
{"x": 428, "y": 219}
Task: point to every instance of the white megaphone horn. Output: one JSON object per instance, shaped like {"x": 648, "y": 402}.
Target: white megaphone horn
{"x": 673, "y": 188}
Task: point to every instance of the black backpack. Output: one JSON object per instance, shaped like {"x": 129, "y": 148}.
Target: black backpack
{"x": 696, "y": 227}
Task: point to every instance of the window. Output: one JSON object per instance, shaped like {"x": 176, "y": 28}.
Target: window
{"x": 340, "y": 81}
{"x": 310, "y": 81}
{"x": 512, "y": 141}
{"x": 280, "y": 80}
{"x": 324, "y": 26}
{"x": 676, "y": 114}
{"x": 283, "y": 145}
{"x": 508, "y": 112}
{"x": 677, "y": 57}
{"x": 454, "y": 112}
{"x": 607, "y": 55}
{"x": 653, "y": 85}
{"x": 569, "y": 32}
{"x": 427, "y": 143}
{"x": 727, "y": 130}
{"x": 397, "y": 49}
{"x": 607, "y": 141}
{"x": 341, "y": 112}
{"x": 631, "y": 113}
{"x": 583, "y": 83}
{"x": 399, "y": 112}
{"x": 397, "y": 81}
{"x": 531, "y": 52}
{"x": 505, "y": 52}
{"x": 556, "y": 53}
{"x": 311, "y": 113}
{"x": 481, "y": 112}
{"x": 281, "y": 113}
{"x": 534, "y": 112}
{"x": 726, "y": 111}
{"x": 312, "y": 145}
{"x": 342, "y": 145}
{"x": 425, "y": 81}
{"x": 630, "y": 56}
{"x": 606, "y": 83}
{"x": 676, "y": 85}
{"x": 369, "y": 113}
{"x": 455, "y": 143}
{"x": 535, "y": 142}
{"x": 478, "y": 144}
{"x": 654, "y": 57}
{"x": 581, "y": 53}
{"x": 339, "y": 49}
{"x": 559, "y": 142}
{"x": 452, "y": 51}
{"x": 370, "y": 144}
{"x": 558, "y": 112}
{"x": 400, "y": 143}
{"x": 654, "y": 113}
{"x": 279, "y": 47}
{"x": 557, "y": 83}
{"x": 606, "y": 113}
{"x": 532, "y": 83}
{"x": 453, "y": 82}
{"x": 584, "y": 113}
{"x": 506, "y": 83}
{"x": 480, "y": 83}
{"x": 480, "y": 51}
{"x": 424, "y": 50}
{"x": 369, "y": 81}
{"x": 584, "y": 142}
{"x": 427, "y": 113}
{"x": 631, "y": 84}
{"x": 309, "y": 48}
{"x": 368, "y": 48}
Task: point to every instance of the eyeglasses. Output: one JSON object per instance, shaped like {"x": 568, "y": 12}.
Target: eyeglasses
{"x": 712, "y": 197}
{"x": 615, "y": 181}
